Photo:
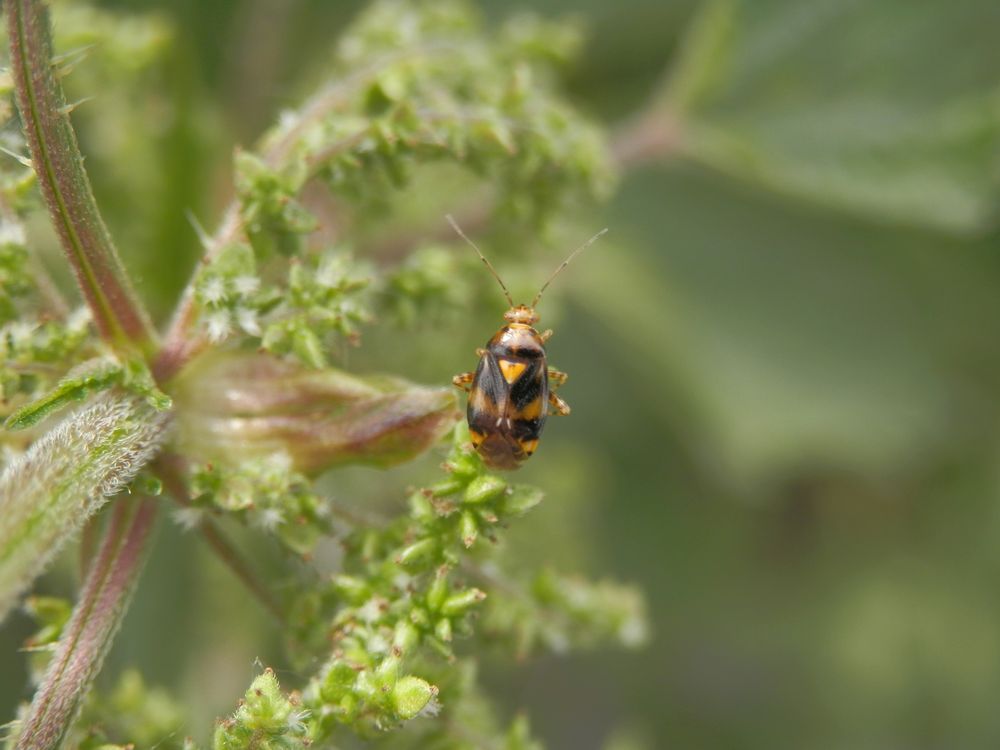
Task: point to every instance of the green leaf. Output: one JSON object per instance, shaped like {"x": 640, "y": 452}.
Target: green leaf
{"x": 703, "y": 64}
{"x": 91, "y": 377}
{"x": 236, "y": 407}
{"x": 843, "y": 103}
{"x": 66, "y": 476}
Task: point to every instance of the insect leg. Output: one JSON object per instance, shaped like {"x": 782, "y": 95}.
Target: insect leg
{"x": 559, "y": 407}
{"x": 545, "y": 335}
{"x": 463, "y": 381}
{"x": 557, "y": 378}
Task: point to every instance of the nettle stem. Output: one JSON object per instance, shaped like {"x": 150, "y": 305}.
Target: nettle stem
{"x": 124, "y": 324}
{"x": 55, "y": 155}
{"x": 106, "y": 594}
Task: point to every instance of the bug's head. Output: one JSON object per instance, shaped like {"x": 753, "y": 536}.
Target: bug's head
{"x": 521, "y": 314}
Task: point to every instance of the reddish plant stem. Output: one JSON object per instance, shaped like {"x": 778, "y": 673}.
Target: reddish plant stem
{"x": 652, "y": 136}
{"x": 55, "y": 156}
{"x": 103, "y": 602}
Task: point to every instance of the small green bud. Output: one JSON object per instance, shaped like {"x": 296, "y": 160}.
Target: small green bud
{"x": 419, "y": 617}
{"x": 417, "y": 553}
{"x": 460, "y": 602}
{"x": 265, "y": 719}
{"x": 406, "y": 637}
{"x": 420, "y": 506}
{"x": 339, "y": 678}
{"x": 355, "y": 590}
{"x": 484, "y": 488}
{"x": 387, "y": 672}
{"x": 446, "y": 487}
{"x": 520, "y": 500}
{"x": 465, "y": 465}
{"x": 442, "y": 629}
{"x": 307, "y": 347}
{"x": 468, "y": 529}
{"x": 437, "y": 592}
{"x": 411, "y": 695}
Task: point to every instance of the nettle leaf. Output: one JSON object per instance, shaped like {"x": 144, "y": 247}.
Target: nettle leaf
{"x": 65, "y": 476}
{"x": 90, "y": 377}
{"x": 847, "y": 104}
{"x": 237, "y": 407}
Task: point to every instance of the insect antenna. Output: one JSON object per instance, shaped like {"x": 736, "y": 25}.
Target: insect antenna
{"x": 458, "y": 229}
{"x": 565, "y": 263}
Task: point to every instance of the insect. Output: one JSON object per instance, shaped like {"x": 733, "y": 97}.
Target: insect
{"x": 512, "y": 391}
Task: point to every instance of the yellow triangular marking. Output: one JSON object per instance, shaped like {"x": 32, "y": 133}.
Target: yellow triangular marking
{"x": 511, "y": 370}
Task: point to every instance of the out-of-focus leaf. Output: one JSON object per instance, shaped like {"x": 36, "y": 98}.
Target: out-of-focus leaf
{"x": 776, "y": 343}
{"x": 884, "y": 109}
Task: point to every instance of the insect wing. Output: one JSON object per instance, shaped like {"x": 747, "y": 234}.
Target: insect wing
{"x": 528, "y": 401}
{"x": 489, "y": 395}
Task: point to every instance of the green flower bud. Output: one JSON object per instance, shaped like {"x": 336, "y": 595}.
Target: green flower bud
{"x": 437, "y": 592}
{"x": 468, "y": 529}
{"x": 406, "y": 637}
{"x": 355, "y": 590}
{"x": 442, "y": 629}
{"x": 387, "y": 672}
{"x": 265, "y": 719}
{"x": 417, "y": 553}
{"x": 484, "y": 488}
{"x": 411, "y": 695}
{"x": 520, "y": 500}
{"x": 460, "y": 602}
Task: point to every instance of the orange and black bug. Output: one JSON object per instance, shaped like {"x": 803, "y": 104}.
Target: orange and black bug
{"x": 513, "y": 388}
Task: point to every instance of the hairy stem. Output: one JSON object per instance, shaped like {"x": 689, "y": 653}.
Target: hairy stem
{"x": 57, "y": 161}
{"x": 98, "y": 614}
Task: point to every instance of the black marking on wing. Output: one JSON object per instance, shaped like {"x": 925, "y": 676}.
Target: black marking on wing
{"x": 527, "y": 429}
{"x": 529, "y": 352}
{"x": 532, "y": 384}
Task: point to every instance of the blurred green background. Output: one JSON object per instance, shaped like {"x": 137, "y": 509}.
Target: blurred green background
{"x": 785, "y": 369}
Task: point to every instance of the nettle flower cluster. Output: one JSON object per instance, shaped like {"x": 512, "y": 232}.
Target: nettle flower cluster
{"x": 236, "y": 410}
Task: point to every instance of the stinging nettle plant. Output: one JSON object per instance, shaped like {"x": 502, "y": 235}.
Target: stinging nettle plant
{"x": 231, "y": 413}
